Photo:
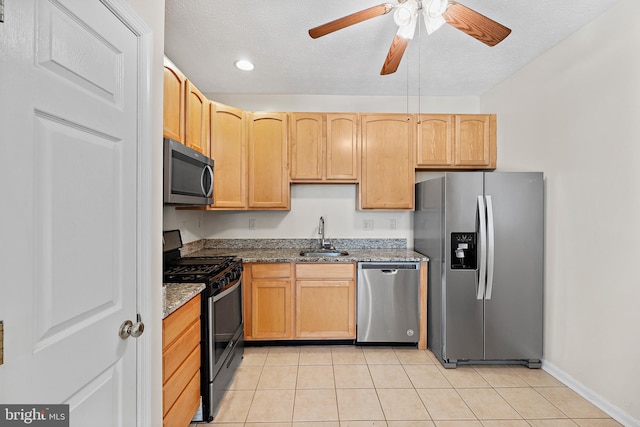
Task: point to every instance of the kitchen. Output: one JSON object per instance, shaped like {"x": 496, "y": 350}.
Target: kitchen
{"x": 559, "y": 129}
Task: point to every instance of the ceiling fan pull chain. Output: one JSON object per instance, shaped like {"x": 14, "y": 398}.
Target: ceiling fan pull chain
{"x": 419, "y": 73}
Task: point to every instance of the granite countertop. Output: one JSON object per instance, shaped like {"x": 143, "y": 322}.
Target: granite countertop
{"x": 283, "y": 250}
{"x": 293, "y": 255}
{"x": 175, "y": 295}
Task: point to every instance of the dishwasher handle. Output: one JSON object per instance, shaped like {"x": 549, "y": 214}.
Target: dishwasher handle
{"x": 389, "y": 267}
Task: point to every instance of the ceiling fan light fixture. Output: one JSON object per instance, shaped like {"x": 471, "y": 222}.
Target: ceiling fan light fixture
{"x": 433, "y": 12}
{"x": 405, "y": 17}
{"x": 244, "y": 65}
{"x": 432, "y": 23}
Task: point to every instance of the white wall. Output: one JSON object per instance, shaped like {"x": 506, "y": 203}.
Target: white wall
{"x": 574, "y": 114}
{"x": 337, "y": 203}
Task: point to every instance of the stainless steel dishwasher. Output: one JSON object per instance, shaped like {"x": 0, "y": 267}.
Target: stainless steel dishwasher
{"x": 388, "y": 302}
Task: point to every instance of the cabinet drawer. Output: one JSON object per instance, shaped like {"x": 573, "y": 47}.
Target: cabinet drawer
{"x": 179, "y": 350}
{"x": 180, "y": 415}
{"x": 179, "y": 320}
{"x": 271, "y": 270}
{"x": 325, "y": 271}
{"x": 174, "y": 386}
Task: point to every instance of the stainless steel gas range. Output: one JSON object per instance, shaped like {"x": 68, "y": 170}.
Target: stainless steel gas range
{"x": 222, "y": 339}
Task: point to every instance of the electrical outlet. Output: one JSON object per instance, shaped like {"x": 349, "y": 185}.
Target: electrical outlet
{"x": 367, "y": 224}
{"x": 252, "y": 224}
{"x": 392, "y": 224}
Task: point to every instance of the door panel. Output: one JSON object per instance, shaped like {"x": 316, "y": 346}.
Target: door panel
{"x": 69, "y": 114}
{"x": 513, "y": 315}
{"x": 463, "y": 312}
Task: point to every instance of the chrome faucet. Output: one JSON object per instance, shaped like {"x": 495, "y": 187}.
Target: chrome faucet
{"x": 321, "y": 232}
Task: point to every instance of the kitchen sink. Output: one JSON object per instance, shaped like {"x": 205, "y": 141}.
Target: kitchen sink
{"x": 323, "y": 252}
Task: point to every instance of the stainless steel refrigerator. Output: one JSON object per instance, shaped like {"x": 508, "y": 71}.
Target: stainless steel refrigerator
{"x": 484, "y": 235}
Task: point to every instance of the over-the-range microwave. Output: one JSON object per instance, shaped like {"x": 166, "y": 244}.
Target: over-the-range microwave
{"x": 188, "y": 175}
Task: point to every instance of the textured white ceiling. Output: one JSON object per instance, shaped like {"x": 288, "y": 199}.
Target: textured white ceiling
{"x": 205, "y": 37}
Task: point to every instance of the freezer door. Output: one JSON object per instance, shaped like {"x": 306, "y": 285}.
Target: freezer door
{"x": 513, "y": 308}
{"x": 463, "y": 312}
{"x": 428, "y": 239}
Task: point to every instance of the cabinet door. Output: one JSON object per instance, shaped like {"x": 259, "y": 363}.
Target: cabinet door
{"x": 196, "y": 120}
{"x": 307, "y": 146}
{"x": 271, "y": 309}
{"x": 475, "y": 140}
{"x": 229, "y": 152}
{"x": 435, "y": 140}
{"x": 174, "y": 92}
{"x": 342, "y": 147}
{"x": 388, "y": 168}
{"x": 325, "y": 301}
{"x": 268, "y": 162}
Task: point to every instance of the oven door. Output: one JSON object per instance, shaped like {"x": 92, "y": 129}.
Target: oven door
{"x": 225, "y": 320}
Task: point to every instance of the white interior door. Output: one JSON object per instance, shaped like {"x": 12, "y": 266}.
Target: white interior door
{"x": 68, "y": 168}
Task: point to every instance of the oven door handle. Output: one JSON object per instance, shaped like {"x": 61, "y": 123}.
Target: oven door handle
{"x": 226, "y": 291}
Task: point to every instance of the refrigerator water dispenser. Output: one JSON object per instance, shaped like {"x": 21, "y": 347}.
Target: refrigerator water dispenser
{"x": 463, "y": 251}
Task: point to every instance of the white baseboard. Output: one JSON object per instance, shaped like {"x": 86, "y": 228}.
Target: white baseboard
{"x": 593, "y": 397}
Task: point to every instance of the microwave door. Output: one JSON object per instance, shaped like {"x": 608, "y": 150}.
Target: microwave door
{"x": 188, "y": 175}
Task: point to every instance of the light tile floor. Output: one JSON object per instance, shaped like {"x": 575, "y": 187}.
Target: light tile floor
{"x": 350, "y": 386}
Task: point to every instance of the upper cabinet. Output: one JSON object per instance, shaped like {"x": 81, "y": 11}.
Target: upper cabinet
{"x": 268, "y": 161}
{"x": 174, "y": 91}
{"x": 448, "y": 141}
{"x": 197, "y": 118}
{"x": 388, "y": 168}
{"x": 324, "y": 147}
{"x": 186, "y": 110}
{"x": 476, "y": 140}
{"x": 229, "y": 152}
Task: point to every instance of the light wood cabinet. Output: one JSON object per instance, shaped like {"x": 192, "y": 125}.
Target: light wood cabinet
{"x": 325, "y": 301}
{"x": 174, "y": 92}
{"x": 435, "y": 140}
{"x": 268, "y": 304}
{"x": 268, "y": 162}
{"x": 324, "y": 147}
{"x": 289, "y": 301}
{"x": 229, "y": 152}
{"x": 388, "y": 169}
{"x": 476, "y": 140}
{"x": 197, "y": 118}
{"x": 464, "y": 141}
{"x": 181, "y": 364}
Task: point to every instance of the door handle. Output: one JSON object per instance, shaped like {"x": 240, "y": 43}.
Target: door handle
{"x": 482, "y": 226}
{"x": 130, "y": 329}
{"x": 491, "y": 247}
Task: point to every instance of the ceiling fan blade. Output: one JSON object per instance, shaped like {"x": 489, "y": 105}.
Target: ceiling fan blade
{"x": 398, "y": 46}
{"x": 347, "y": 21}
{"x": 476, "y": 25}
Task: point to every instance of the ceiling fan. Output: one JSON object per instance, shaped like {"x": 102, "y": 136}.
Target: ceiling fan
{"x": 435, "y": 13}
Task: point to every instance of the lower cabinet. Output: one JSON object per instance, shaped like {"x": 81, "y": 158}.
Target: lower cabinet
{"x": 300, "y": 301}
{"x": 270, "y": 301}
{"x": 181, "y": 364}
{"x": 325, "y": 301}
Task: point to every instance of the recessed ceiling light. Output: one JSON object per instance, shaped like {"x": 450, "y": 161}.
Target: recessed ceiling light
{"x": 244, "y": 65}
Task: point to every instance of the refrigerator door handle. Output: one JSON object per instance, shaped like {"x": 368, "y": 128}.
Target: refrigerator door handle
{"x": 482, "y": 238}
{"x": 491, "y": 247}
